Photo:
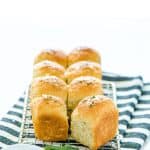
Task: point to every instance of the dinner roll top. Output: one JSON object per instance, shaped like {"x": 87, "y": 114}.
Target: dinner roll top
{"x": 91, "y": 105}
{"x": 45, "y": 68}
{"x": 48, "y": 104}
{"x": 97, "y": 116}
{"x": 83, "y": 53}
{"x": 81, "y": 87}
{"x": 49, "y": 117}
{"x": 52, "y": 55}
{"x": 48, "y": 85}
{"x": 83, "y": 68}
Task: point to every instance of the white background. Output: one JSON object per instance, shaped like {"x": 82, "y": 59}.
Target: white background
{"x": 120, "y": 30}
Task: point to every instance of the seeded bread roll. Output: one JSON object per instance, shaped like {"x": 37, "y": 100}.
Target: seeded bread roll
{"x": 52, "y": 55}
{"x": 48, "y": 85}
{"x": 49, "y": 117}
{"x": 45, "y": 68}
{"x": 83, "y": 68}
{"x": 94, "y": 121}
{"x": 81, "y": 87}
{"x": 83, "y": 53}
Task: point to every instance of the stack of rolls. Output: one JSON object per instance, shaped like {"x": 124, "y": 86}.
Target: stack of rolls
{"x": 71, "y": 87}
{"x": 48, "y": 96}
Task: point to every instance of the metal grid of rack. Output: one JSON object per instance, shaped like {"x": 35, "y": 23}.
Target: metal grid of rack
{"x": 27, "y": 132}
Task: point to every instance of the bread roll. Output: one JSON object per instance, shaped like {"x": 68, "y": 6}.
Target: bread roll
{"x": 49, "y": 117}
{"x": 94, "y": 121}
{"x": 81, "y": 87}
{"x": 83, "y": 68}
{"x": 83, "y": 53}
{"x": 48, "y": 85}
{"x": 52, "y": 55}
{"x": 45, "y": 68}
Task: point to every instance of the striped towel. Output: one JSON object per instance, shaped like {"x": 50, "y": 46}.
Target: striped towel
{"x": 133, "y": 100}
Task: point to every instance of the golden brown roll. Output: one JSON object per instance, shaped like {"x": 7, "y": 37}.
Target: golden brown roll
{"x": 83, "y": 53}
{"x": 49, "y": 117}
{"x": 81, "y": 87}
{"x": 48, "y": 85}
{"x": 94, "y": 121}
{"x": 52, "y": 55}
{"x": 45, "y": 68}
{"x": 83, "y": 68}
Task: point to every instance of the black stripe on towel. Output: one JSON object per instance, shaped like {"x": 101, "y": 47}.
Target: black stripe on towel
{"x": 21, "y": 99}
{"x": 15, "y": 114}
{"x": 6, "y": 141}
{"x": 121, "y": 131}
{"x": 9, "y": 130}
{"x": 128, "y": 113}
{"x": 137, "y": 109}
{"x": 125, "y": 122}
{"x": 128, "y": 96}
{"x": 130, "y": 88}
{"x": 144, "y": 102}
{"x": 140, "y": 125}
{"x": 121, "y": 78}
{"x": 15, "y": 122}
{"x": 142, "y": 116}
{"x": 136, "y": 135}
{"x": 145, "y": 84}
{"x": 130, "y": 145}
{"x": 146, "y": 92}
{"x": 18, "y": 107}
{"x": 127, "y": 104}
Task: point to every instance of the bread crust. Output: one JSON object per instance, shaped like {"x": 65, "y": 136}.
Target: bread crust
{"x": 83, "y": 68}
{"x": 49, "y": 117}
{"x": 52, "y": 55}
{"x": 101, "y": 114}
{"x": 82, "y": 87}
{"x": 45, "y": 68}
{"x": 83, "y": 53}
{"x": 48, "y": 85}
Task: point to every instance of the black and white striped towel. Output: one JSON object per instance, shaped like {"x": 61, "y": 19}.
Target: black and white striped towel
{"x": 133, "y": 99}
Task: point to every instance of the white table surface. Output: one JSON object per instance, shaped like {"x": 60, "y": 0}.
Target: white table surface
{"x": 123, "y": 38}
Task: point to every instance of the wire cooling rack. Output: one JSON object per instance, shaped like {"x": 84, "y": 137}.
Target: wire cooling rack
{"x": 27, "y": 132}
